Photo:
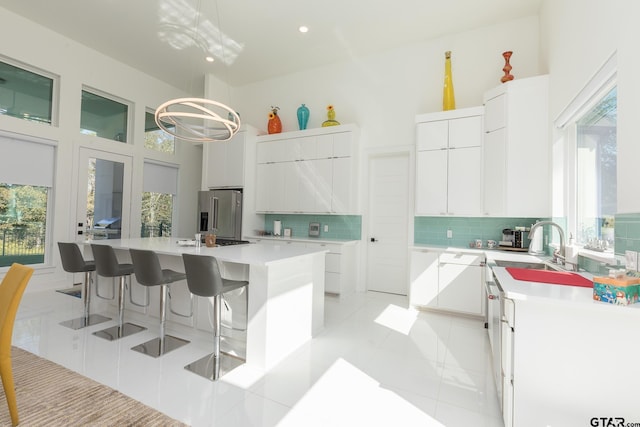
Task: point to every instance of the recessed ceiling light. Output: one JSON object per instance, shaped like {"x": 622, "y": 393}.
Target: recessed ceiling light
{"x": 209, "y": 59}
{"x": 303, "y": 28}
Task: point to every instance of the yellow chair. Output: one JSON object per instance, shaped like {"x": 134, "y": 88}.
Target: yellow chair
{"x": 11, "y": 290}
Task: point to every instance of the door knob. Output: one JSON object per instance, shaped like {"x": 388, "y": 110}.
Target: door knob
{"x": 373, "y": 240}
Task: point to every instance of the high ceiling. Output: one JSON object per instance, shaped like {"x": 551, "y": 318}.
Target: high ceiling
{"x": 169, "y": 39}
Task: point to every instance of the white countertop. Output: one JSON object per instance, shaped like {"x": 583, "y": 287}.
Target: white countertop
{"x": 251, "y": 254}
{"x": 304, "y": 239}
{"x": 523, "y": 290}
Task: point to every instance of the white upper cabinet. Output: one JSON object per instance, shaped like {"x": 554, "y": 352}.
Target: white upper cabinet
{"x": 311, "y": 171}
{"x": 516, "y": 150}
{"x": 448, "y": 163}
{"x": 224, "y": 162}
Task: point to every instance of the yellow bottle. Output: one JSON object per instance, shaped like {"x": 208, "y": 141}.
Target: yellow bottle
{"x": 448, "y": 99}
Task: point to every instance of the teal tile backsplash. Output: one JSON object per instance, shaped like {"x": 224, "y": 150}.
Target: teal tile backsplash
{"x": 627, "y": 233}
{"x": 340, "y": 226}
{"x": 433, "y": 230}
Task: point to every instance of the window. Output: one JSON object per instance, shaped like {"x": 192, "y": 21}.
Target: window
{"x": 25, "y": 94}
{"x": 596, "y": 167}
{"x": 23, "y": 213}
{"x": 587, "y": 141}
{"x": 155, "y": 138}
{"x": 26, "y": 178}
{"x": 103, "y": 117}
{"x": 160, "y": 185}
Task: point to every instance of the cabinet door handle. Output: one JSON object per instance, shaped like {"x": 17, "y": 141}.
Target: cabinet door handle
{"x": 373, "y": 240}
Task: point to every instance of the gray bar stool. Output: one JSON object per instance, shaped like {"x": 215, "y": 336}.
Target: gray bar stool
{"x": 107, "y": 265}
{"x": 73, "y": 262}
{"x": 204, "y": 279}
{"x": 148, "y": 271}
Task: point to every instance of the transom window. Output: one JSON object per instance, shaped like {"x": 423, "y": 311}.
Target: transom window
{"x": 25, "y": 94}
{"x": 155, "y": 138}
{"x": 103, "y": 117}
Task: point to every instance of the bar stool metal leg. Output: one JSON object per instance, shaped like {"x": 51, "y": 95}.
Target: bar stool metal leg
{"x": 218, "y": 363}
{"x": 87, "y": 319}
{"x": 164, "y": 343}
{"x": 121, "y": 329}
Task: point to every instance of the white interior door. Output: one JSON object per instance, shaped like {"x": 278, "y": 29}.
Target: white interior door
{"x": 104, "y": 195}
{"x": 387, "y": 242}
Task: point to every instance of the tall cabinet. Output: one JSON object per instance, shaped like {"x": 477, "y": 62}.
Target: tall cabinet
{"x": 448, "y": 163}
{"x": 516, "y": 151}
{"x": 230, "y": 164}
{"x": 224, "y": 162}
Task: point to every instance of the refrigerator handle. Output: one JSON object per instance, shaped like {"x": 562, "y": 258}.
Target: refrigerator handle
{"x": 215, "y": 212}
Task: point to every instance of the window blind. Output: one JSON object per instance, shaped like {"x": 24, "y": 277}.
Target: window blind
{"x": 26, "y": 162}
{"x": 160, "y": 178}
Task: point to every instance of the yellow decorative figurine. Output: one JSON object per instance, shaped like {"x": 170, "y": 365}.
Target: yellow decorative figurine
{"x": 331, "y": 115}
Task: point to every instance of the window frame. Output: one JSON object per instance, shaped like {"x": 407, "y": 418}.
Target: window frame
{"x": 596, "y": 89}
{"x": 130, "y": 113}
{"x": 155, "y": 150}
{"x": 49, "y": 255}
{"x": 55, "y": 90}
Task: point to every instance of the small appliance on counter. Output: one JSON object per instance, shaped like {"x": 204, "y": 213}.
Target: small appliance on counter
{"x": 516, "y": 239}
{"x": 277, "y": 228}
{"x": 507, "y": 238}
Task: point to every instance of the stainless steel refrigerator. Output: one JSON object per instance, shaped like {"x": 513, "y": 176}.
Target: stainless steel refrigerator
{"x": 220, "y": 210}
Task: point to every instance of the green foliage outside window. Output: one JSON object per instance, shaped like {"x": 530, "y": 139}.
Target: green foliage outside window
{"x": 23, "y": 211}
{"x": 157, "y": 209}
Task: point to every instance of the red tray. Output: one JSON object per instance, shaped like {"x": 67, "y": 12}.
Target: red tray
{"x": 546, "y": 276}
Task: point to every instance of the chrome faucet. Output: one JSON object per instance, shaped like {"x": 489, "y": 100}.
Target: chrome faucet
{"x": 559, "y": 254}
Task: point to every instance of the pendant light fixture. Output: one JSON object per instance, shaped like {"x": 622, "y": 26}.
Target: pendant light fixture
{"x": 199, "y": 119}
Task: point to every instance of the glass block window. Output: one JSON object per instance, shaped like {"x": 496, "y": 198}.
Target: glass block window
{"x": 103, "y": 117}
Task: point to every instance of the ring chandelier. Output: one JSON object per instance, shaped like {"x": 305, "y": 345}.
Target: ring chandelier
{"x": 177, "y": 117}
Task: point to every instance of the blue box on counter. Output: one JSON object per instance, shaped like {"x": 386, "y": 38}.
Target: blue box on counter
{"x": 619, "y": 291}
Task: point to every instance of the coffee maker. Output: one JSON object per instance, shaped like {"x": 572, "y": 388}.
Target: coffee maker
{"x": 514, "y": 238}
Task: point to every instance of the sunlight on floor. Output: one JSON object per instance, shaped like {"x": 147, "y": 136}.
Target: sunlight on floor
{"x": 397, "y": 318}
{"x": 350, "y": 397}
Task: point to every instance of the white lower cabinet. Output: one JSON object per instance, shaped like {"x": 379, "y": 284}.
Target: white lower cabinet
{"x": 341, "y": 263}
{"x": 447, "y": 280}
{"x": 423, "y": 286}
{"x": 340, "y": 268}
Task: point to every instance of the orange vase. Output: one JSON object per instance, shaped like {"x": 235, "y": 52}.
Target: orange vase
{"x": 274, "y": 125}
{"x": 507, "y": 67}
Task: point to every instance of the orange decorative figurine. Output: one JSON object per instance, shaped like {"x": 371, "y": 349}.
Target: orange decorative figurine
{"x": 274, "y": 125}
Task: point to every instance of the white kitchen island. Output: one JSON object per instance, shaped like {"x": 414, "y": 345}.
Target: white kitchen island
{"x": 286, "y": 290}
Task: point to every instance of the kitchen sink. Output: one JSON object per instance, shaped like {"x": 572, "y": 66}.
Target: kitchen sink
{"x": 527, "y": 265}
{"x": 544, "y": 273}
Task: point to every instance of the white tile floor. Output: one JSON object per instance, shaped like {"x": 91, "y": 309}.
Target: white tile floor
{"x": 376, "y": 363}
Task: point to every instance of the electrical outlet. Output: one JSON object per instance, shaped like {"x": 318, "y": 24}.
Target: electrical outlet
{"x": 449, "y": 234}
{"x": 326, "y": 228}
{"x": 631, "y": 258}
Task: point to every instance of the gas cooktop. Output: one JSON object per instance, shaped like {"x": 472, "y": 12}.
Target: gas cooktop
{"x": 229, "y": 242}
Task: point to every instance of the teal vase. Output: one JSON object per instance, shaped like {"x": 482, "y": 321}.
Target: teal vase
{"x": 303, "y": 117}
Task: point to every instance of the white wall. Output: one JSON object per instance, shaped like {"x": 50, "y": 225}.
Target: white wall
{"x": 577, "y": 38}
{"x": 382, "y": 93}
{"x": 77, "y": 66}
